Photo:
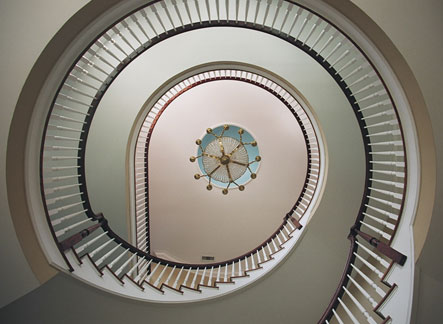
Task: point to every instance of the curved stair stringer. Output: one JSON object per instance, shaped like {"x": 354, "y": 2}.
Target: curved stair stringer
{"x": 85, "y": 270}
{"x": 400, "y": 278}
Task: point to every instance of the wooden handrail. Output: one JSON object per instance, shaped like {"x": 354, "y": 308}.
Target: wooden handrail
{"x": 296, "y": 116}
{"x": 78, "y": 237}
{"x": 383, "y": 248}
{"x": 111, "y": 234}
{"x": 343, "y": 282}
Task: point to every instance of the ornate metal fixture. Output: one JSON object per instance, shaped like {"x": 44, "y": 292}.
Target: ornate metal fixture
{"x": 224, "y": 159}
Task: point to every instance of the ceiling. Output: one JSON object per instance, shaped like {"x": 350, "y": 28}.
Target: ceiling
{"x": 186, "y": 220}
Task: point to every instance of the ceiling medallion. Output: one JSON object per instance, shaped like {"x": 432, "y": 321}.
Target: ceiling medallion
{"x": 227, "y": 157}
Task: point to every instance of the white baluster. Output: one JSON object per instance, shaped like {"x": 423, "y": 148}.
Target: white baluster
{"x": 135, "y": 266}
{"x": 195, "y": 278}
{"x": 287, "y": 11}
{"x": 325, "y": 59}
{"x": 363, "y": 291}
{"x": 275, "y": 245}
{"x": 330, "y": 39}
{"x": 294, "y": 21}
{"x": 291, "y": 225}
{"x": 177, "y": 278}
{"x": 142, "y": 278}
{"x": 55, "y": 211}
{"x": 257, "y": 9}
{"x": 361, "y": 308}
{"x": 383, "y": 212}
{"x": 170, "y": 276}
{"x": 288, "y": 233}
{"x": 348, "y": 64}
{"x": 64, "y": 218}
{"x": 351, "y": 316}
{"x": 208, "y": 10}
{"x": 153, "y": 271}
{"x": 337, "y": 317}
{"x": 107, "y": 254}
{"x": 83, "y": 82}
{"x": 111, "y": 264}
{"x": 277, "y": 11}
{"x": 94, "y": 252}
{"x": 185, "y": 282}
{"x": 303, "y": 25}
{"x": 374, "y": 255}
{"x": 124, "y": 265}
{"x": 161, "y": 275}
{"x": 380, "y": 93}
{"x": 376, "y": 230}
{"x": 386, "y": 192}
{"x": 143, "y": 271}
{"x": 279, "y": 241}
{"x": 269, "y": 249}
{"x": 380, "y": 221}
{"x": 370, "y": 266}
{"x": 371, "y": 283}
{"x": 210, "y": 276}
{"x": 218, "y": 273}
{"x": 342, "y": 56}
{"x": 253, "y": 261}
{"x": 135, "y": 20}
{"x": 239, "y": 268}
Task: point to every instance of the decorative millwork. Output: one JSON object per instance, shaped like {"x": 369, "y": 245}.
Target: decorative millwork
{"x": 228, "y": 157}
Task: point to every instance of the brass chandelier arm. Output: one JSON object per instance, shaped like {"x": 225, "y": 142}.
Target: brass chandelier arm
{"x": 229, "y": 173}
{"x": 239, "y": 163}
{"x": 222, "y": 149}
{"x": 215, "y": 169}
{"x": 235, "y": 149}
{"x": 211, "y": 156}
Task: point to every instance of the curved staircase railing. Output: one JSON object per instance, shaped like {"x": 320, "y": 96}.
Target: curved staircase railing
{"x": 144, "y": 135}
{"x": 362, "y": 290}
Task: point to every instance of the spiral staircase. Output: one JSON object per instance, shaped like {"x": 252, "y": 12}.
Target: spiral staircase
{"x": 379, "y": 267}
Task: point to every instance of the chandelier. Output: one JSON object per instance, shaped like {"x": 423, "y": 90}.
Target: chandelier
{"x": 228, "y": 157}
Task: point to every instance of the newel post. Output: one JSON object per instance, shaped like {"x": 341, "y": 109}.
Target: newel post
{"x": 383, "y": 248}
